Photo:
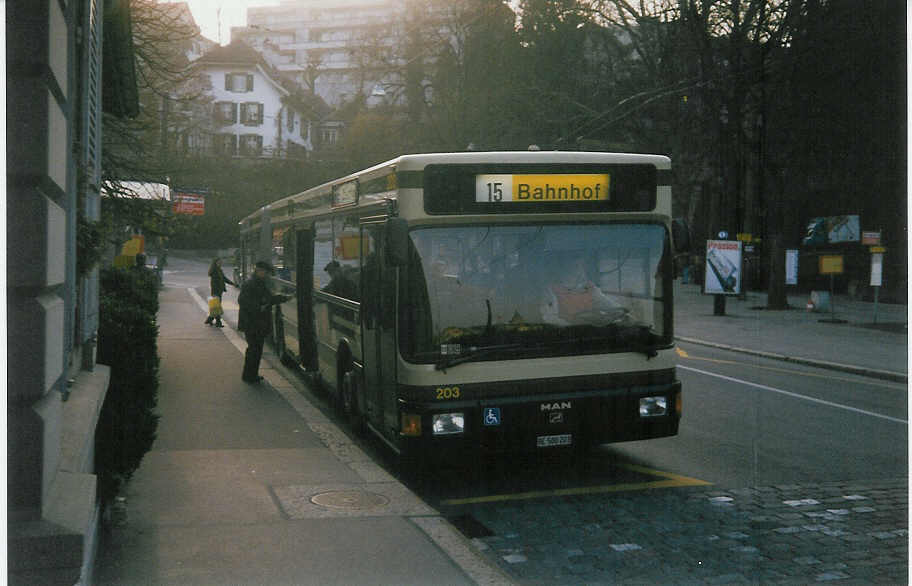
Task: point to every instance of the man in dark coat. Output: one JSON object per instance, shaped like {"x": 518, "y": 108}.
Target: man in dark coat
{"x": 254, "y": 318}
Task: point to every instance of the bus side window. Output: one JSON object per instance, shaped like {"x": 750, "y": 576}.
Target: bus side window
{"x": 323, "y": 253}
{"x": 371, "y": 273}
{"x": 345, "y": 267}
{"x": 289, "y": 244}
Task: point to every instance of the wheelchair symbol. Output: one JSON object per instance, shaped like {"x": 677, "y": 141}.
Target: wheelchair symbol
{"x": 492, "y": 416}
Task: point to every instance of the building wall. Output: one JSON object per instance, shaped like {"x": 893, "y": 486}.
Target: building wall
{"x": 325, "y": 34}
{"x": 54, "y": 394}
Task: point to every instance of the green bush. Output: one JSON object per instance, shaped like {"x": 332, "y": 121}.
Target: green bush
{"x": 128, "y": 343}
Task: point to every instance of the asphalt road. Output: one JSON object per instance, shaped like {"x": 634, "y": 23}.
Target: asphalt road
{"x": 753, "y": 422}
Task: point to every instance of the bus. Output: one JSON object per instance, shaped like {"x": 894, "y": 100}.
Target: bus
{"x": 500, "y": 302}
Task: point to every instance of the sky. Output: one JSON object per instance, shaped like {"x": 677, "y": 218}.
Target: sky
{"x": 209, "y": 13}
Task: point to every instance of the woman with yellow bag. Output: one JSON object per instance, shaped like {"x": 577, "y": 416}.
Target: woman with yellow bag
{"x": 217, "y": 280}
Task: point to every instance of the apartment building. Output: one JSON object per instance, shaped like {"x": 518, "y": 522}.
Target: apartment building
{"x": 332, "y": 48}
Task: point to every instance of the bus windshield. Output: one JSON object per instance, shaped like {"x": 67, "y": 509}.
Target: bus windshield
{"x": 490, "y": 292}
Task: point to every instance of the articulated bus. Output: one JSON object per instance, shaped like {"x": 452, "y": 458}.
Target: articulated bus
{"x": 462, "y": 302}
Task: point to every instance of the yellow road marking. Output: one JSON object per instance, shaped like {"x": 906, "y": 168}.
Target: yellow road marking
{"x": 874, "y": 383}
{"x": 670, "y": 481}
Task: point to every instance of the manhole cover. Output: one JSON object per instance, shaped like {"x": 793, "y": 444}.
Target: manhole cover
{"x": 351, "y": 500}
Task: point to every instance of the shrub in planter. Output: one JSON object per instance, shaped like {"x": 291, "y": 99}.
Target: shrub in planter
{"x": 127, "y": 342}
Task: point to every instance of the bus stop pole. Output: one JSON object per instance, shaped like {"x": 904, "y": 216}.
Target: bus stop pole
{"x": 718, "y": 304}
{"x": 876, "y": 295}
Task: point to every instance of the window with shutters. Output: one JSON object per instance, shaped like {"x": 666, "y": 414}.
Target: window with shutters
{"x": 251, "y": 113}
{"x": 239, "y": 82}
{"x": 251, "y": 145}
{"x": 226, "y": 112}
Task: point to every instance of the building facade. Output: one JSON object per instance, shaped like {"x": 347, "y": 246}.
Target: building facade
{"x": 56, "y": 52}
{"x": 331, "y": 49}
{"x": 254, "y": 114}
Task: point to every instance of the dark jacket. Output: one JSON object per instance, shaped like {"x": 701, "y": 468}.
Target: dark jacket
{"x": 217, "y": 280}
{"x": 255, "y": 300}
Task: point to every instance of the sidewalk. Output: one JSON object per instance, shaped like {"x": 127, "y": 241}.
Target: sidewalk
{"x": 253, "y": 485}
{"x": 797, "y": 334}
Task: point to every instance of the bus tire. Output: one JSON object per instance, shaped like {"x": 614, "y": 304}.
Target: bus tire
{"x": 351, "y": 399}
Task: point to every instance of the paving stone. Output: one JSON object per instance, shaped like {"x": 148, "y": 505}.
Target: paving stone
{"x": 682, "y": 537}
{"x": 829, "y": 576}
{"x": 728, "y": 579}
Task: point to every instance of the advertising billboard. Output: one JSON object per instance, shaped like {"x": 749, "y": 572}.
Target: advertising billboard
{"x": 833, "y": 229}
{"x": 723, "y": 267}
{"x": 188, "y": 202}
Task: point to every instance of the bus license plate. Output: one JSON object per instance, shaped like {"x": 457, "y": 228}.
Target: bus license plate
{"x": 547, "y": 441}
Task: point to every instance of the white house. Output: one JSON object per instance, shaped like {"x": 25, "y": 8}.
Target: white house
{"x": 256, "y": 113}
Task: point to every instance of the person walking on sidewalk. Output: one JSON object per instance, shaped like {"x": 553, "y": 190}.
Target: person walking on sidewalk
{"x": 255, "y": 301}
{"x": 217, "y": 280}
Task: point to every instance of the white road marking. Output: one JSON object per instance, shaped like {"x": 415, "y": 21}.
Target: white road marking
{"x": 794, "y": 395}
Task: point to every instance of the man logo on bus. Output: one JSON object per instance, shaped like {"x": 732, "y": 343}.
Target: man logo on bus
{"x": 492, "y": 416}
{"x": 555, "y": 406}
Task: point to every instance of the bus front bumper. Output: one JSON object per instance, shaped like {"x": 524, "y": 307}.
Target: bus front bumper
{"x": 541, "y": 421}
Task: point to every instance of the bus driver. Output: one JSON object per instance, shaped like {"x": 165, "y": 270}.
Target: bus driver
{"x": 572, "y": 298}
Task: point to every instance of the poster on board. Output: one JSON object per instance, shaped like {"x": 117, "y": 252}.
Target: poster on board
{"x": 791, "y": 267}
{"x": 723, "y": 267}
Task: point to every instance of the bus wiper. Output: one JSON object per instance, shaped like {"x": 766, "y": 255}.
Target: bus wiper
{"x": 474, "y": 353}
{"x": 622, "y": 340}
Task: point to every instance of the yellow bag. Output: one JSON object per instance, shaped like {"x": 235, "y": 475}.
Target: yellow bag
{"x": 215, "y": 307}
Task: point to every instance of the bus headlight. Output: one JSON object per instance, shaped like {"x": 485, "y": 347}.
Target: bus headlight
{"x": 448, "y": 423}
{"x": 653, "y": 406}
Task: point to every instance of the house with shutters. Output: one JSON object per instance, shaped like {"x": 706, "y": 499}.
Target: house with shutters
{"x": 256, "y": 112}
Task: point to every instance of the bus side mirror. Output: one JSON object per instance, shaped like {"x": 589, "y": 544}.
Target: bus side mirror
{"x": 397, "y": 241}
{"x": 680, "y": 234}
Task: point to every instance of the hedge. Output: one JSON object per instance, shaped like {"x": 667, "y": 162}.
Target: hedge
{"x": 128, "y": 343}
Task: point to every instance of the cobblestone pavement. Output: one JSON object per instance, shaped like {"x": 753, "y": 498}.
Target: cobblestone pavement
{"x": 854, "y": 532}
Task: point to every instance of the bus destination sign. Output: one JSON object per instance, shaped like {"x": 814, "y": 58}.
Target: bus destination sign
{"x": 541, "y": 188}
{"x": 515, "y": 188}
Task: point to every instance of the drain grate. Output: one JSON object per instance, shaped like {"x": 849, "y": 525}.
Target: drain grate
{"x": 470, "y": 526}
{"x": 349, "y": 500}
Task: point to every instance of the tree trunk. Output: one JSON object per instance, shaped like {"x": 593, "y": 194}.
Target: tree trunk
{"x": 776, "y": 297}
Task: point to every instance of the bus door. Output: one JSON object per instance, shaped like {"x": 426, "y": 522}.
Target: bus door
{"x": 304, "y": 261}
{"x": 378, "y": 310}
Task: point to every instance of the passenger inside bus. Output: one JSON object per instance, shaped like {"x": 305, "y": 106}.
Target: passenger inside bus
{"x": 572, "y": 298}
{"x": 342, "y": 282}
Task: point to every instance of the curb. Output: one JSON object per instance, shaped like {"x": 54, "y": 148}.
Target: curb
{"x": 849, "y": 368}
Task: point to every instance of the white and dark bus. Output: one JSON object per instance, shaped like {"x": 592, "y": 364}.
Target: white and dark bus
{"x": 503, "y": 301}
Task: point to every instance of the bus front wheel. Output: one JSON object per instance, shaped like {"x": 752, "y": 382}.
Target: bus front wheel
{"x": 349, "y": 400}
